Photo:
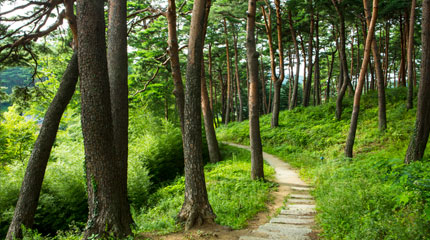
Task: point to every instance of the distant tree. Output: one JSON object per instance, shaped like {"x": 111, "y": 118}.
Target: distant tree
{"x": 253, "y": 101}
{"x": 419, "y": 138}
{"x": 196, "y": 209}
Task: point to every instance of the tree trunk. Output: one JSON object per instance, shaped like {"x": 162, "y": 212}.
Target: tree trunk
{"x": 106, "y": 215}
{"x": 263, "y": 87}
{"x": 327, "y": 95}
{"x": 211, "y": 85}
{"x": 297, "y": 52}
{"x": 411, "y": 71}
{"x": 387, "y": 43}
{"x": 382, "y": 116}
{"x": 214, "y": 153}
{"x": 196, "y": 209}
{"x": 223, "y": 95}
{"x": 307, "y": 87}
{"x": 227, "y": 112}
{"x": 174, "y": 61}
{"x": 419, "y": 139}
{"x": 302, "y": 44}
{"x": 117, "y": 61}
{"x": 254, "y": 122}
{"x": 356, "y": 109}
{"x": 344, "y": 64}
{"x": 236, "y": 66}
{"x": 35, "y": 171}
{"x": 402, "y": 74}
{"x": 317, "y": 84}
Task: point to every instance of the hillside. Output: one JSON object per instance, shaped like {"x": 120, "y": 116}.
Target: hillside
{"x": 372, "y": 196}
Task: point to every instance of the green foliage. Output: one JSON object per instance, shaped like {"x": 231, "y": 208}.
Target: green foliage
{"x": 374, "y": 195}
{"x": 234, "y": 197}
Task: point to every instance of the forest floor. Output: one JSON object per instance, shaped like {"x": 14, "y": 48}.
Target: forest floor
{"x": 286, "y": 177}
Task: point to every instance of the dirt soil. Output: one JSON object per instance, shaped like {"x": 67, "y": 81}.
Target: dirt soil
{"x": 214, "y": 231}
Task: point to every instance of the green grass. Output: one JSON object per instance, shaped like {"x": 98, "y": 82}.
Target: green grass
{"x": 372, "y": 196}
{"x": 234, "y": 197}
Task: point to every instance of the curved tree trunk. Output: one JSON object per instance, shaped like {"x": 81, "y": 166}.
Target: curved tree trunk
{"x": 196, "y": 209}
{"x": 411, "y": 71}
{"x": 360, "y": 83}
{"x": 254, "y": 122}
{"x": 35, "y": 171}
{"x": 419, "y": 139}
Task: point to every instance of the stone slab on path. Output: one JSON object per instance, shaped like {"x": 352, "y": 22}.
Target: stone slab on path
{"x": 297, "y": 220}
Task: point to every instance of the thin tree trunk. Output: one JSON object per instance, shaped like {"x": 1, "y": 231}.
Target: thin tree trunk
{"x": 327, "y": 95}
{"x": 35, "y": 171}
{"x": 196, "y": 209}
{"x": 411, "y": 71}
{"x": 211, "y": 85}
{"x": 236, "y": 66}
{"x": 307, "y": 87}
{"x": 344, "y": 64}
{"x": 356, "y": 108}
{"x": 419, "y": 138}
{"x": 227, "y": 112}
{"x": 263, "y": 87}
{"x": 214, "y": 153}
{"x": 278, "y": 80}
{"x": 302, "y": 44}
{"x": 402, "y": 74}
{"x": 317, "y": 83}
{"x": 223, "y": 95}
{"x": 174, "y": 61}
{"x": 254, "y": 122}
{"x": 387, "y": 43}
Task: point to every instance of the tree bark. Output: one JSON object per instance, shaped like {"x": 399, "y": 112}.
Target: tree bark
{"x": 356, "y": 108}
{"x": 35, "y": 171}
{"x": 419, "y": 138}
{"x": 263, "y": 87}
{"x": 117, "y": 61}
{"x": 327, "y": 95}
{"x": 297, "y": 52}
{"x": 308, "y": 84}
{"x": 387, "y": 43}
{"x": 227, "y": 112}
{"x": 196, "y": 209}
{"x": 105, "y": 192}
{"x": 411, "y": 71}
{"x": 402, "y": 74}
{"x": 172, "y": 41}
{"x": 236, "y": 68}
{"x": 254, "y": 122}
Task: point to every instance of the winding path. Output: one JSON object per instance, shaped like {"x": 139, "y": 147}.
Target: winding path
{"x": 296, "y": 220}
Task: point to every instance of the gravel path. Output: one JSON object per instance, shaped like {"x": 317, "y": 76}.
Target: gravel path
{"x": 296, "y": 220}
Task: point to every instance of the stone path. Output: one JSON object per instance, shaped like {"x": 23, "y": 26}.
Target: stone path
{"x": 296, "y": 220}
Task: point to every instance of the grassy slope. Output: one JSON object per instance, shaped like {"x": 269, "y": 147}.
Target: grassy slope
{"x": 373, "y": 196}
{"x": 234, "y": 197}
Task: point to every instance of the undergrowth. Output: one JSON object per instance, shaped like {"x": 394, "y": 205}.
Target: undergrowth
{"x": 372, "y": 196}
{"x": 234, "y": 197}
